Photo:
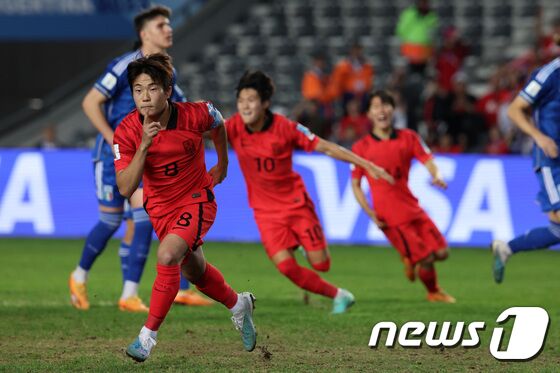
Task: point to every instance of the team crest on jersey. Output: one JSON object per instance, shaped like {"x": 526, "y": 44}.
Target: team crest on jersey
{"x": 301, "y": 128}
{"x": 276, "y": 148}
{"x": 108, "y": 193}
{"x": 189, "y": 146}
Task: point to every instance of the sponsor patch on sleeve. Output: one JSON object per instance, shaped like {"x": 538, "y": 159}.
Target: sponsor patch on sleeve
{"x": 109, "y": 81}
{"x": 216, "y": 115}
{"x": 301, "y": 128}
{"x": 117, "y": 152}
{"x": 533, "y": 88}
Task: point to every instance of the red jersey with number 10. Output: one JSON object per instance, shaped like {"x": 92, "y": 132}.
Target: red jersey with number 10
{"x": 265, "y": 158}
{"x": 394, "y": 204}
{"x": 175, "y": 171}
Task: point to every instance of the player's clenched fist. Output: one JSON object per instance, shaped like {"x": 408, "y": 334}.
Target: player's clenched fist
{"x": 150, "y": 130}
{"x": 439, "y": 182}
{"x": 218, "y": 173}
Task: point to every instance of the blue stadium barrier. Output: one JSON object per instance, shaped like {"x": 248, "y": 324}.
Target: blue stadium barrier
{"x": 52, "y": 194}
{"x": 48, "y": 20}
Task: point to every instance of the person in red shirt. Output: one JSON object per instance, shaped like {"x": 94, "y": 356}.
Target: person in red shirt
{"x": 353, "y": 125}
{"x": 161, "y": 142}
{"x": 284, "y": 212}
{"x": 395, "y": 209}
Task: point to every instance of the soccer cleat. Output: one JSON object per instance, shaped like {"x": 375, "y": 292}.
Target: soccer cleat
{"x": 440, "y": 296}
{"x": 191, "y": 298}
{"x": 78, "y": 294}
{"x": 243, "y": 321}
{"x": 501, "y": 252}
{"x": 409, "y": 269}
{"x": 140, "y": 349}
{"x": 343, "y": 300}
{"x": 133, "y": 304}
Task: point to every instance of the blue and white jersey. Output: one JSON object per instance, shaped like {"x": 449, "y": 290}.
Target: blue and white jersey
{"x": 113, "y": 84}
{"x": 543, "y": 93}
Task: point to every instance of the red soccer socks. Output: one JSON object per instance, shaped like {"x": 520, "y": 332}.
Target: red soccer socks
{"x": 164, "y": 291}
{"x": 306, "y": 278}
{"x": 212, "y": 284}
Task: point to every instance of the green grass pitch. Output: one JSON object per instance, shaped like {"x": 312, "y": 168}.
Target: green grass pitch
{"x": 40, "y": 331}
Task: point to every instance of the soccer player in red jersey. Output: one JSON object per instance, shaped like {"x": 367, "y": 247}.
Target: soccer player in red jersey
{"x": 285, "y": 215}
{"x": 161, "y": 142}
{"x": 395, "y": 209}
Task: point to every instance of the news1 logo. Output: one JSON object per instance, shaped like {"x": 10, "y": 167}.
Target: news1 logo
{"x": 526, "y": 341}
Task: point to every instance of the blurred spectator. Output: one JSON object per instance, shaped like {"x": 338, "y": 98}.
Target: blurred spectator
{"x": 547, "y": 48}
{"x": 463, "y": 117}
{"x": 353, "y": 125}
{"x": 496, "y": 142}
{"x": 396, "y": 84}
{"x": 450, "y": 57}
{"x": 436, "y": 108}
{"x": 455, "y": 113}
{"x": 353, "y": 77}
{"x": 517, "y": 141}
{"x": 489, "y": 104}
{"x": 317, "y": 85}
{"x": 48, "y": 138}
{"x": 399, "y": 113}
{"x": 416, "y": 28}
{"x": 446, "y": 145}
{"x": 308, "y": 113}
{"x": 413, "y": 97}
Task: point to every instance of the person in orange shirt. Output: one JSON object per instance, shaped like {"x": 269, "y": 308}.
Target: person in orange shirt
{"x": 317, "y": 86}
{"x": 353, "y": 77}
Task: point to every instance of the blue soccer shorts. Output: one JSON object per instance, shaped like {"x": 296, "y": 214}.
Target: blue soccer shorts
{"x": 549, "y": 194}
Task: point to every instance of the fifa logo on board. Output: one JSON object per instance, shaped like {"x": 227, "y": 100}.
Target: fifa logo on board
{"x": 526, "y": 341}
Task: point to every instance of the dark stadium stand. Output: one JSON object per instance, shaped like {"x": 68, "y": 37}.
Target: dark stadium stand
{"x": 228, "y": 37}
{"x": 289, "y": 31}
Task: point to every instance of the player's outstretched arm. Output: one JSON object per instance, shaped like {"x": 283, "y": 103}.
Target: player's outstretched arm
{"x": 129, "y": 178}
{"x": 519, "y": 112}
{"x": 219, "y": 138}
{"x": 92, "y": 105}
{"x": 362, "y": 201}
{"x": 338, "y": 152}
{"x": 437, "y": 179}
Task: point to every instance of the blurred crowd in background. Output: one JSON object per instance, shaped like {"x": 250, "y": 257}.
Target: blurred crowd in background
{"x": 431, "y": 89}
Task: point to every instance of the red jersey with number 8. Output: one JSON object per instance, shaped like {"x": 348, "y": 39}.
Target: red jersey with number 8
{"x": 175, "y": 170}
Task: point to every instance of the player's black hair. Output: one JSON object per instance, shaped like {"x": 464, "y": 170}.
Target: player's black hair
{"x": 259, "y": 81}
{"x": 383, "y": 95}
{"x": 147, "y": 15}
{"x": 158, "y": 66}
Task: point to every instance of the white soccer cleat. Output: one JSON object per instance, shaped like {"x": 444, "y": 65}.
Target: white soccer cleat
{"x": 343, "y": 301}
{"x": 243, "y": 321}
{"x": 501, "y": 252}
{"x": 140, "y": 349}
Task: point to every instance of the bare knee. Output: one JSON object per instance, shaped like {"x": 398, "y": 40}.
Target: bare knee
{"x": 167, "y": 257}
{"x": 320, "y": 260}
